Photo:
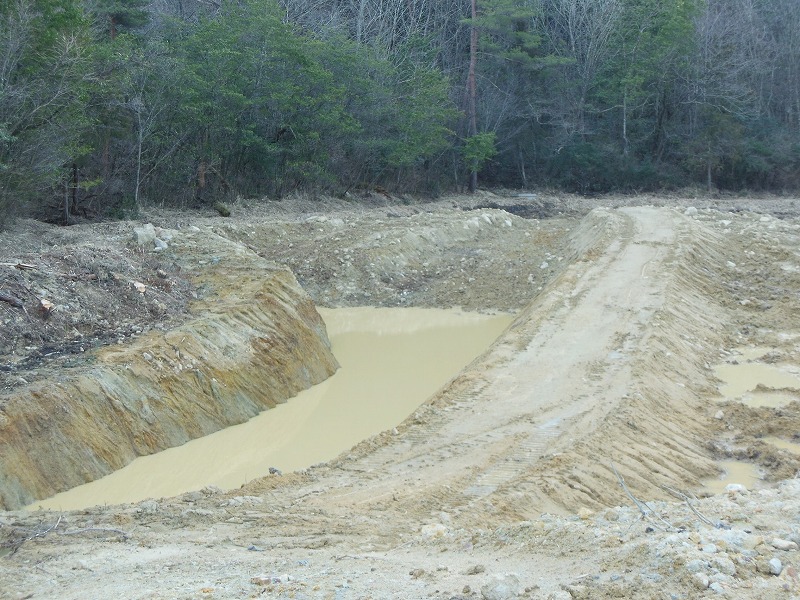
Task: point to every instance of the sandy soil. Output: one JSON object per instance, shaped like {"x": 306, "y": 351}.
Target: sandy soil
{"x": 561, "y": 464}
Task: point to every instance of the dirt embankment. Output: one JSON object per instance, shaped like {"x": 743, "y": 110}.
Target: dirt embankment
{"x": 508, "y": 483}
{"x": 251, "y": 339}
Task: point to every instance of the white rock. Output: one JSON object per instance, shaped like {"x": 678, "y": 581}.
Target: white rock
{"x": 730, "y": 264}
{"x": 719, "y": 415}
{"x": 736, "y": 488}
{"x": 434, "y": 530}
{"x": 690, "y": 211}
{"x": 160, "y": 244}
{"x": 780, "y": 544}
{"x": 148, "y": 507}
{"x": 717, "y": 587}
{"x": 695, "y": 566}
{"x": 751, "y": 541}
{"x": 501, "y": 587}
{"x": 544, "y": 265}
{"x": 144, "y": 235}
{"x": 775, "y": 566}
{"x": 240, "y": 500}
{"x": 709, "y": 548}
{"x": 723, "y": 564}
{"x": 701, "y": 580}
{"x": 165, "y": 234}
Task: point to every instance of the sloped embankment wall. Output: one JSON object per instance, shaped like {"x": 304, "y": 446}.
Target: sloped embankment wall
{"x": 253, "y": 340}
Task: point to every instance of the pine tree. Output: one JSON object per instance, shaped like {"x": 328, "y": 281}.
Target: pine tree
{"x": 118, "y": 16}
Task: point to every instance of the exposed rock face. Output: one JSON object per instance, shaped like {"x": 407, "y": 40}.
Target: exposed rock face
{"x": 254, "y": 339}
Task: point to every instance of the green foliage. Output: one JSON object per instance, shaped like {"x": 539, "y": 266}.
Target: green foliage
{"x": 44, "y": 53}
{"x": 258, "y": 99}
{"x": 112, "y": 104}
{"x": 718, "y": 143}
{"x": 222, "y": 209}
{"x": 506, "y": 31}
{"x": 591, "y": 168}
{"x": 118, "y": 16}
{"x": 478, "y": 150}
{"x": 655, "y": 41}
{"x": 268, "y": 110}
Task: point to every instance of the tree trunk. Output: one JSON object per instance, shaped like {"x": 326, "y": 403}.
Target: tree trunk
{"x": 139, "y": 143}
{"x": 625, "y": 143}
{"x": 74, "y": 187}
{"x": 66, "y": 202}
{"x": 472, "y": 88}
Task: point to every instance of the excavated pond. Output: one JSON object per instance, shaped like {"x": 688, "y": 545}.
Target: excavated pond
{"x": 391, "y": 361}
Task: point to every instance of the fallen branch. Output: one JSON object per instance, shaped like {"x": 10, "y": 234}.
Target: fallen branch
{"x": 18, "y": 544}
{"x": 639, "y": 504}
{"x": 685, "y": 498}
{"x": 12, "y": 300}
{"x": 125, "y": 535}
{"x": 28, "y": 267}
{"x": 20, "y": 266}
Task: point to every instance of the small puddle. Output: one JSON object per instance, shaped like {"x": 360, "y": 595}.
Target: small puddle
{"x": 792, "y": 447}
{"x": 392, "y": 360}
{"x": 758, "y": 384}
{"x": 750, "y": 353}
{"x": 734, "y": 471}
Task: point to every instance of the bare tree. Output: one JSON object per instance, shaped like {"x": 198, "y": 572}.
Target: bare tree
{"x": 40, "y": 104}
{"x": 580, "y": 32}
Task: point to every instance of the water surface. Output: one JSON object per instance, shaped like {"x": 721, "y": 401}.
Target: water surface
{"x": 391, "y": 360}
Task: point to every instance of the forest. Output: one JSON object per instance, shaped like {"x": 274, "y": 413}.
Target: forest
{"x": 107, "y": 106}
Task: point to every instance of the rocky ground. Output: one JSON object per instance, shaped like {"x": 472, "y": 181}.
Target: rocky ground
{"x": 510, "y": 483}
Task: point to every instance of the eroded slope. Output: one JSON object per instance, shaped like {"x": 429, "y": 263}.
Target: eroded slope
{"x": 252, "y": 339}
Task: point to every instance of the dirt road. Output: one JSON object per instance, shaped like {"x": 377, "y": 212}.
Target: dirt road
{"x": 508, "y": 483}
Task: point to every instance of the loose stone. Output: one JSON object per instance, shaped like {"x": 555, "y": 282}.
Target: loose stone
{"x": 701, "y": 580}
{"x": 696, "y": 565}
{"x": 717, "y": 587}
{"x": 781, "y": 544}
{"x": 501, "y": 587}
{"x": 775, "y": 566}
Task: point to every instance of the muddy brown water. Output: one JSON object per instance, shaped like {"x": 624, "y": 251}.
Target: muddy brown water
{"x": 757, "y": 384}
{"x": 733, "y": 471}
{"x": 792, "y": 447}
{"x": 391, "y": 360}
